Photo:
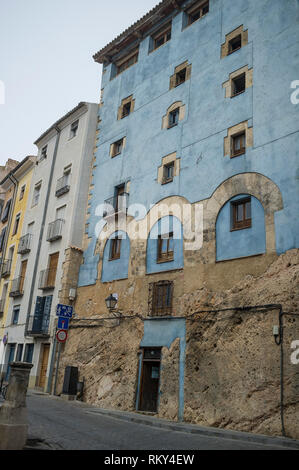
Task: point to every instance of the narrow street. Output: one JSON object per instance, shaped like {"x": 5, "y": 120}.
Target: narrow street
{"x": 59, "y": 425}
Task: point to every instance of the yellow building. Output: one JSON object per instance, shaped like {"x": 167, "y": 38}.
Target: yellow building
{"x": 16, "y": 186}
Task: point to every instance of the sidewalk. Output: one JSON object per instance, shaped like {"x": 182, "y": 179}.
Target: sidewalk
{"x": 195, "y": 429}
{"x": 144, "y": 419}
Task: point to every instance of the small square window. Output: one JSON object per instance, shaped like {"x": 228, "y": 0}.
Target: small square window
{"x": 235, "y": 44}
{"x": 239, "y": 85}
{"x": 43, "y": 153}
{"x": 168, "y": 173}
{"x": 180, "y": 77}
{"x": 173, "y": 118}
{"x": 238, "y": 145}
{"x": 126, "y": 110}
{"x": 117, "y": 148}
{"x": 22, "y": 192}
{"x": 74, "y": 129}
{"x": 241, "y": 214}
{"x": 126, "y": 62}
{"x": 15, "y": 315}
{"x": 162, "y": 37}
{"x": 198, "y": 12}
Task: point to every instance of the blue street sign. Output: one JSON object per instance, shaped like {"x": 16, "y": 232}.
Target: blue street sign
{"x": 65, "y": 311}
{"x": 63, "y": 323}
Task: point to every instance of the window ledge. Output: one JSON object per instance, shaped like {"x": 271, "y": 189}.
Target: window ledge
{"x": 238, "y": 94}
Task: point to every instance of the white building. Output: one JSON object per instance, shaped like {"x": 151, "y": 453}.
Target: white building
{"x": 54, "y": 222}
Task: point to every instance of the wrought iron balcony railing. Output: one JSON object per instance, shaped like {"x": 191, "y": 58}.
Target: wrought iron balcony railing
{"x": 116, "y": 205}
{"x": 5, "y": 267}
{"x": 17, "y": 287}
{"x": 38, "y": 325}
{"x": 55, "y": 230}
{"x": 25, "y": 244}
{"x": 47, "y": 279}
{"x": 62, "y": 186}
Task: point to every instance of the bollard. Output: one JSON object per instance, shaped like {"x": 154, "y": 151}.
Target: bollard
{"x": 13, "y": 413}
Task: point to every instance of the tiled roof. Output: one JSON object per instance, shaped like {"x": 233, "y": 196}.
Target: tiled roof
{"x": 138, "y": 29}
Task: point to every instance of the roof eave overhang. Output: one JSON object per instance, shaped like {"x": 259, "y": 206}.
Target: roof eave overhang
{"x": 138, "y": 29}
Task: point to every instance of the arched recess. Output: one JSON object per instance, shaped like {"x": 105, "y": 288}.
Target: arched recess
{"x": 159, "y": 234}
{"x": 254, "y": 184}
{"x": 116, "y": 267}
{"x": 231, "y": 242}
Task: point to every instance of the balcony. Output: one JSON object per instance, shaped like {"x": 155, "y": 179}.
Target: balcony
{"x": 25, "y": 244}
{"x": 17, "y": 287}
{"x": 62, "y": 186}
{"x": 116, "y": 205}
{"x": 38, "y": 326}
{"x": 5, "y": 267}
{"x": 47, "y": 279}
{"x": 55, "y": 230}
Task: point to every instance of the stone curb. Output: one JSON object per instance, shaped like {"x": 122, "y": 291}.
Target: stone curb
{"x": 194, "y": 429}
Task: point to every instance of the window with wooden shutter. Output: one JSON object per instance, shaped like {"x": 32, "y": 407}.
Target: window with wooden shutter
{"x": 161, "y": 300}
{"x": 6, "y": 211}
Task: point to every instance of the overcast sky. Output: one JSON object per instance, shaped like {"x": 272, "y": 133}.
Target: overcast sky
{"x": 46, "y": 64}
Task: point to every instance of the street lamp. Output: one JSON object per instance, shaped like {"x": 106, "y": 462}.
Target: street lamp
{"x": 111, "y": 302}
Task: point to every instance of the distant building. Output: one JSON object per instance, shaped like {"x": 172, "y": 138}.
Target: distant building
{"x": 15, "y": 186}
{"x": 51, "y": 237}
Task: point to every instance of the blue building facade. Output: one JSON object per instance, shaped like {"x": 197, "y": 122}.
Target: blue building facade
{"x": 196, "y": 109}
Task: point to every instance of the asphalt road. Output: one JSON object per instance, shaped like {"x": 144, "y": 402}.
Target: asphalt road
{"x": 59, "y": 425}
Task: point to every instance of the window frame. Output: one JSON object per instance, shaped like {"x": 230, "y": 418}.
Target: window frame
{"x": 14, "y": 318}
{"x": 167, "y": 179}
{"x": 175, "y": 112}
{"x": 43, "y": 153}
{"x": 245, "y": 223}
{"x": 195, "y": 9}
{"x": 36, "y": 192}
{"x": 75, "y": 125}
{"x": 22, "y": 192}
{"x": 124, "y": 64}
{"x": 178, "y": 75}
{"x": 115, "y": 248}
{"x": 168, "y": 255}
{"x": 162, "y": 290}
{"x": 163, "y": 32}
{"x": 114, "y": 152}
{"x": 16, "y": 224}
{"x": 234, "y": 93}
{"x": 237, "y": 153}
{"x": 230, "y": 49}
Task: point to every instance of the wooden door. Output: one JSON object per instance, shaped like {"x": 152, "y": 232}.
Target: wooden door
{"x": 53, "y": 262}
{"x": 23, "y": 274}
{"x": 150, "y": 381}
{"x": 44, "y": 366}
